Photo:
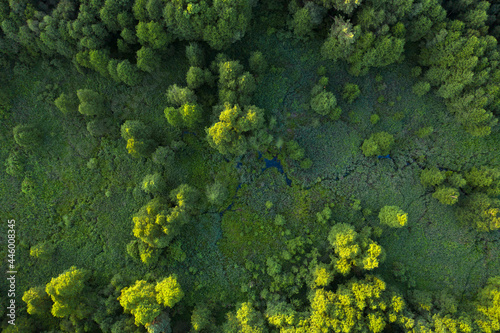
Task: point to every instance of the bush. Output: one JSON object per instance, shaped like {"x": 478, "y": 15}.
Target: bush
{"x": 195, "y": 77}
{"x": 425, "y": 131}
{"x": 179, "y": 96}
{"x": 147, "y": 60}
{"x": 27, "y": 136}
{"x": 163, "y": 156}
{"x": 154, "y": 184}
{"x": 421, "y": 88}
{"x": 91, "y": 103}
{"x": 378, "y": 144}
{"x": 258, "y": 63}
{"x": 195, "y": 55}
{"x": 306, "y": 163}
{"x": 302, "y": 24}
{"x": 66, "y": 103}
{"x": 446, "y": 195}
{"x": 393, "y": 216}
{"x": 324, "y": 103}
{"x": 128, "y": 73}
{"x": 351, "y": 92}
{"x": 216, "y": 193}
{"x": 374, "y": 118}
{"x": 432, "y": 177}
{"x": 99, "y": 127}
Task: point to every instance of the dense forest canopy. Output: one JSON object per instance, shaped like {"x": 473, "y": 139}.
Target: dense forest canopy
{"x": 250, "y": 165}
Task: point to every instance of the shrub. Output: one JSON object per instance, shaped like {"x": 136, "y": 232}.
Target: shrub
{"x": 393, "y": 216}
{"x": 421, "y": 88}
{"x": 446, "y": 195}
{"x": 378, "y": 144}
{"x": 351, "y": 92}
{"x": 27, "y": 136}
{"x": 66, "y": 103}
{"x": 324, "y": 103}
{"x": 258, "y": 63}
{"x": 432, "y": 177}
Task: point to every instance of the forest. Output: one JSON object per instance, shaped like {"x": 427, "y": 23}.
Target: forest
{"x": 250, "y": 166}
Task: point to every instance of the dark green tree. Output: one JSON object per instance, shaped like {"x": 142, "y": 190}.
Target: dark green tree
{"x": 258, "y": 63}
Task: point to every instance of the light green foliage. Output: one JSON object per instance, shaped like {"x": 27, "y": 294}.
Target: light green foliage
{"x": 156, "y": 224}
{"x": 301, "y": 23}
{"x": 324, "y": 103}
{"x": 279, "y": 220}
{"x": 324, "y": 215}
{"x": 187, "y": 198}
{"x": 393, "y": 216}
{"x": 341, "y": 40}
{"x": 168, "y": 291}
{"x": 374, "y": 119}
{"x": 280, "y": 314}
{"x": 140, "y": 300}
{"x": 273, "y": 266}
{"x": 67, "y": 293}
{"x": 128, "y": 73}
{"x": 37, "y": 301}
{"x": 201, "y": 317}
{"x": 15, "y": 163}
{"x": 357, "y": 306}
{"x": 416, "y": 71}
{"x": 346, "y": 6}
{"x": 235, "y": 86}
{"x": 456, "y": 180}
{"x": 99, "y": 60}
{"x": 258, "y": 63}
{"x": 216, "y": 193}
{"x": 246, "y": 320}
{"x": 446, "y": 195}
{"x": 452, "y": 56}
{"x": 372, "y": 51}
{"x": 377, "y": 144}
{"x": 138, "y": 139}
{"x": 481, "y": 212}
{"x": 153, "y": 183}
{"x": 27, "y": 136}
{"x": 306, "y": 163}
{"x": 293, "y": 150}
{"x": 488, "y": 306}
{"x": 322, "y": 276}
{"x": 421, "y": 88}
{"x": 91, "y": 103}
{"x": 188, "y": 115}
{"x": 219, "y": 23}
{"x": 153, "y": 35}
{"x": 484, "y": 179}
{"x": 180, "y": 96}
{"x": 66, "y": 103}
{"x": 191, "y": 115}
{"x": 432, "y": 177}
{"x": 351, "y": 92}
{"x": 425, "y": 131}
{"x": 237, "y": 130}
{"x": 42, "y": 250}
{"x": 195, "y": 77}
{"x": 353, "y": 249}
